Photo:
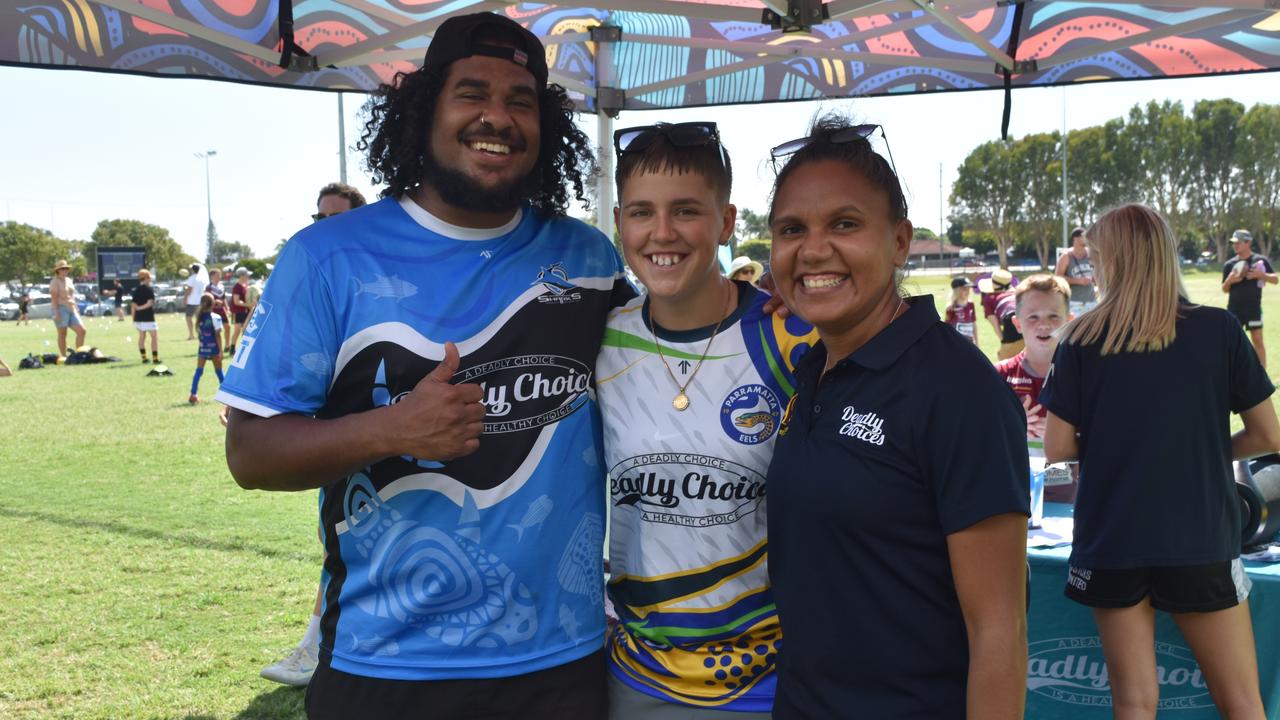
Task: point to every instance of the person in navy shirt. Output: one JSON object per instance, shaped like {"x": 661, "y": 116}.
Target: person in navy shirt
{"x": 1157, "y": 518}
{"x": 897, "y": 518}
{"x": 427, "y": 360}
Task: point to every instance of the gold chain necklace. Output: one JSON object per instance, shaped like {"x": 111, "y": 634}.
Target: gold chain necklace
{"x": 681, "y": 400}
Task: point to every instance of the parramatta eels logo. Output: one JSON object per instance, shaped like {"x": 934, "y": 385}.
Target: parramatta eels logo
{"x": 750, "y": 414}
{"x": 1072, "y": 670}
{"x": 556, "y": 281}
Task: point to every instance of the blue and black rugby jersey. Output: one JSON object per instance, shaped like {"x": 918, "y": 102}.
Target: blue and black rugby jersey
{"x": 488, "y": 565}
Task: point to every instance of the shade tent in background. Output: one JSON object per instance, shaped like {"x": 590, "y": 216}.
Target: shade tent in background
{"x": 640, "y": 54}
{"x": 615, "y": 55}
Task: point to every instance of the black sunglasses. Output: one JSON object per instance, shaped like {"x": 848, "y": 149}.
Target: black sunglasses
{"x": 839, "y": 137}
{"x": 687, "y": 134}
{"x": 320, "y": 216}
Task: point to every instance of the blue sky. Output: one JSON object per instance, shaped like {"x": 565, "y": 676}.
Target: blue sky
{"x": 80, "y": 147}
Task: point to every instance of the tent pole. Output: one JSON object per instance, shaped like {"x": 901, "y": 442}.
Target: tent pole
{"x": 604, "y": 137}
{"x": 604, "y": 180}
{"x": 342, "y": 143}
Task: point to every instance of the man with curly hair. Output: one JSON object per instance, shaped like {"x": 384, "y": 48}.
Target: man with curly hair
{"x": 426, "y": 361}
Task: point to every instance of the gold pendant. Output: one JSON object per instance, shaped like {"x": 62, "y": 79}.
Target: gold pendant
{"x": 681, "y": 402}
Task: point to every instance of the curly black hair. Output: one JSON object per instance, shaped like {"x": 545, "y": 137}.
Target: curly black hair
{"x": 397, "y": 135}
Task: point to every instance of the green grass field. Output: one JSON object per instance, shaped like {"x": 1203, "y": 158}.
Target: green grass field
{"x": 140, "y": 581}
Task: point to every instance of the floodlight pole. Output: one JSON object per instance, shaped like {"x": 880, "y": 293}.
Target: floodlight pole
{"x": 208, "y": 193}
{"x": 1065, "y": 239}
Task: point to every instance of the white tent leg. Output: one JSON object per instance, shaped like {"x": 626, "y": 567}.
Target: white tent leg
{"x": 604, "y": 180}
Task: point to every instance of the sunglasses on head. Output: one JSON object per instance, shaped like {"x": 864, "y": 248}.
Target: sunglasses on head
{"x": 839, "y": 137}
{"x": 685, "y": 135}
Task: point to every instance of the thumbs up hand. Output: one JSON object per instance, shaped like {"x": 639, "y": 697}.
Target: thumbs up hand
{"x": 437, "y": 420}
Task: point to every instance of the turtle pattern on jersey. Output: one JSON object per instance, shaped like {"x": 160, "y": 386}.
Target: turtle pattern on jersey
{"x": 697, "y": 624}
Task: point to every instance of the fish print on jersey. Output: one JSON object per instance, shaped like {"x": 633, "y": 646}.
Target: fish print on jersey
{"x": 387, "y": 287}
{"x": 535, "y": 515}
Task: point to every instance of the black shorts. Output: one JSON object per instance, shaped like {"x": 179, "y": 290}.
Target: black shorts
{"x": 576, "y": 690}
{"x": 1249, "y": 316}
{"x": 1008, "y": 331}
{"x": 241, "y": 317}
{"x": 1174, "y": 589}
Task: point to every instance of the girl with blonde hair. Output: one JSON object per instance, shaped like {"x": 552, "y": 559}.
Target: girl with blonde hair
{"x": 1157, "y": 523}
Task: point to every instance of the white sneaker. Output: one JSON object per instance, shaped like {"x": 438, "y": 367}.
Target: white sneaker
{"x": 295, "y": 669}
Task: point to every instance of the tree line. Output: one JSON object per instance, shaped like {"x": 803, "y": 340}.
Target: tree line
{"x": 28, "y": 253}
{"x": 1209, "y": 172}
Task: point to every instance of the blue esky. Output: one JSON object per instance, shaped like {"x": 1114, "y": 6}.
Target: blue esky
{"x": 79, "y": 147}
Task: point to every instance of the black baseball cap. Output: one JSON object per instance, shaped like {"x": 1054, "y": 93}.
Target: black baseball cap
{"x": 455, "y": 40}
{"x": 959, "y": 282}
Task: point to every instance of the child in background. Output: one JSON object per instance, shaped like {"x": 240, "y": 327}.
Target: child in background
{"x": 209, "y": 333}
{"x": 1157, "y": 519}
{"x": 23, "y": 303}
{"x": 960, "y": 313}
{"x": 1041, "y": 309}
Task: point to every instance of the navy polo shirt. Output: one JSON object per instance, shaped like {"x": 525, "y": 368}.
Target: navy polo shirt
{"x": 912, "y": 437}
{"x": 1156, "y": 487}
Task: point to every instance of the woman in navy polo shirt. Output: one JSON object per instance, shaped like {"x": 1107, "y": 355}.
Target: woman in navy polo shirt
{"x": 1157, "y": 519}
{"x": 898, "y": 495}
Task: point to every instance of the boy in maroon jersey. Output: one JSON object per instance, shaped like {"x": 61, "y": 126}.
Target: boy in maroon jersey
{"x": 1042, "y": 303}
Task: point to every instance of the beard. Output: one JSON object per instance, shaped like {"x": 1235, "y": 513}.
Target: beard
{"x": 461, "y": 191}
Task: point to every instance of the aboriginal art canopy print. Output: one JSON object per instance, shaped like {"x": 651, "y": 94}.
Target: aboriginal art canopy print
{"x": 640, "y": 54}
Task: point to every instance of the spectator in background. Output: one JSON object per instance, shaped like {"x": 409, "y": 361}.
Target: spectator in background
{"x": 144, "y": 315}
{"x": 239, "y": 305}
{"x": 1242, "y": 279}
{"x": 1042, "y": 307}
{"x": 998, "y": 307}
{"x": 117, "y": 298}
{"x": 192, "y": 289}
{"x": 24, "y": 303}
{"x": 220, "y": 305}
{"x": 745, "y": 269}
{"x": 1157, "y": 521}
{"x": 960, "y": 313}
{"x": 336, "y": 198}
{"x": 209, "y": 328}
{"x": 1075, "y": 267}
{"x": 65, "y": 313}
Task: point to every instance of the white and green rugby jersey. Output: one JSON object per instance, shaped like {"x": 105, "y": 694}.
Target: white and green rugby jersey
{"x": 687, "y": 541}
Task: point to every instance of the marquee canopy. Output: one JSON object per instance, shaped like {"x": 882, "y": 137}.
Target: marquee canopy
{"x": 640, "y": 54}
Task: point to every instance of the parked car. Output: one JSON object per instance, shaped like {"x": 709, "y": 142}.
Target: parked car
{"x": 41, "y": 307}
{"x": 169, "y": 301}
{"x": 103, "y": 308}
{"x": 967, "y": 262}
{"x": 9, "y": 309}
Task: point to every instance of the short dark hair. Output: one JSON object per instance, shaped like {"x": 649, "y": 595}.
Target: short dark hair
{"x": 397, "y": 138}
{"x": 663, "y": 157}
{"x": 352, "y": 195}
{"x": 857, "y": 154}
{"x": 1077, "y": 233}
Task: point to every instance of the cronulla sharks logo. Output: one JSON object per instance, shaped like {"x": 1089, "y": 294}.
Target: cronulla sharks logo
{"x": 1072, "y": 670}
{"x": 686, "y": 488}
{"x": 750, "y": 414}
{"x": 555, "y": 280}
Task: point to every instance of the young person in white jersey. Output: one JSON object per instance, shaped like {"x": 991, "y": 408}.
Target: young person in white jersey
{"x": 692, "y": 380}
